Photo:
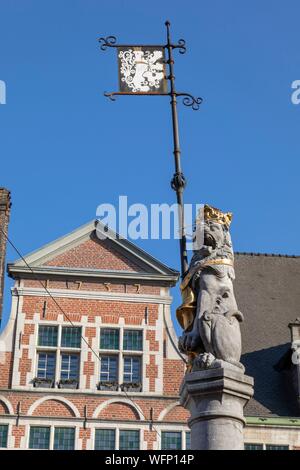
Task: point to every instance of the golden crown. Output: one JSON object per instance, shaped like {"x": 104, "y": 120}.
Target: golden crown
{"x": 214, "y": 214}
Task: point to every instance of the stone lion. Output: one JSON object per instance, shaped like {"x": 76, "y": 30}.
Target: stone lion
{"x": 209, "y": 314}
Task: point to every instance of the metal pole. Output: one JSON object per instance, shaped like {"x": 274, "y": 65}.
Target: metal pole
{"x": 178, "y": 182}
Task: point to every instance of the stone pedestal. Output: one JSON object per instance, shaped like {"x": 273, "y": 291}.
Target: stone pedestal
{"x": 215, "y": 399}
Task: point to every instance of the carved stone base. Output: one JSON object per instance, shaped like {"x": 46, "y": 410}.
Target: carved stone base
{"x": 215, "y": 399}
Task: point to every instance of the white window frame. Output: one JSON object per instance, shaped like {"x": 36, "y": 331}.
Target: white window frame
{"x": 117, "y": 434}
{"x": 183, "y": 436}
{"x": 109, "y": 355}
{"x": 52, "y": 431}
{"x": 69, "y": 364}
{"x": 37, "y": 362}
{"x": 122, "y": 352}
{"x": 8, "y": 446}
{"x": 131, "y": 368}
{"x": 264, "y": 444}
{"x": 58, "y": 350}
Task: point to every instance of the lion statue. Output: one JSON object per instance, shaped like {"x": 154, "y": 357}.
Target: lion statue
{"x": 209, "y": 314}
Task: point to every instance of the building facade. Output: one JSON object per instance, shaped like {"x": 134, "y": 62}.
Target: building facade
{"x": 88, "y": 358}
{"x": 94, "y": 365}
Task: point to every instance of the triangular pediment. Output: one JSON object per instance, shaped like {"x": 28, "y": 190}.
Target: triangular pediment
{"x": 92, "y": 253}
{"x": 92, "y": 249}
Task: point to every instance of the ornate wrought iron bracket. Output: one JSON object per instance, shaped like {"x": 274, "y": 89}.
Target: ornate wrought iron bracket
{"x": 188, "y": 99}
{"x": 109, "y": 41}
{"x": 181, "y": 46}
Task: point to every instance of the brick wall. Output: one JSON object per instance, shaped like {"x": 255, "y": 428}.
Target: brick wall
{"x": 6, "y": 365}
{"x": 173, "y": 374}
{"x": 111, "y": 286}
{"x": 177, "y": 414}
{"x": 94, "y": 254}
{"x": 53, "y": 408}
{"x": 119, "y": 411}
{"x": 4, "y": 220}
{"x": 3, "y": 408}
{"x": 109, "y": 311}
{"x": 18, "y": 432}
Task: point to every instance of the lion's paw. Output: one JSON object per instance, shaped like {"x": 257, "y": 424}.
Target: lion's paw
{"x": 203, "y": 361}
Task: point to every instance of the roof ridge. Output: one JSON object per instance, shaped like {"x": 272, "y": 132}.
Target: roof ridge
{"x": 279, "y": 255}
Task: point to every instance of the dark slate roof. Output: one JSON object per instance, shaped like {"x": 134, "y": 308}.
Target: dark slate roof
{"x": 268, "y": 294}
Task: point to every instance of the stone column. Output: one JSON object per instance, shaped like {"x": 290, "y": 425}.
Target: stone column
{"x": 215, "y": 398}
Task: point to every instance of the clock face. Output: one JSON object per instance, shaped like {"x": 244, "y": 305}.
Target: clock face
{"x": 142, "y": 69}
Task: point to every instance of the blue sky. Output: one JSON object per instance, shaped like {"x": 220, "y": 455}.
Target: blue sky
{"x": 65, "y": 148}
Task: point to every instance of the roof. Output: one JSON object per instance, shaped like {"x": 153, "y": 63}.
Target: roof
{"x": 268, "y": 294}
{"x": 149, "y": 268}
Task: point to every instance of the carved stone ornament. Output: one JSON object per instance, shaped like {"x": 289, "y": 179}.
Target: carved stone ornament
{"x": 209, "y": 314}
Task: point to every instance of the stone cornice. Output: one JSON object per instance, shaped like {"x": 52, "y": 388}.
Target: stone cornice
{"x": 92, "y": 295}
{"x": 59, "y": 272}
{"x": 273, "y": 421}
{"x": 136, "y": 396}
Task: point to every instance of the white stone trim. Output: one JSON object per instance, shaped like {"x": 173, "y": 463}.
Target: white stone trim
{"x": 54, "y": 248}
{"x": 76, "y": 423}
{"x": 66, "y": 242}
{"x": 166, "y": 410}
{"x": 10, "y": 437}
{"x": 18, "y": 348}
{"x": 48, "y": 423}
{"x": 93, "y": 295}
{"x": 6, "y": 335}
{"x": 7, "y": 404}
{"x": 118, "y": 427}
{"x": 159, "y": 355}
{"x": 172, "y": 428}
{"x": 51, "y": 397}
{"x": 171, "y": 336}
{"x": 126, "y": 401}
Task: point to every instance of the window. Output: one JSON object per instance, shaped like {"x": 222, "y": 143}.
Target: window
{"x": 133, "y": 340}
{"x": 254, "y": 446}
{"x": 105, "y": 439}
{"x": 64, "y": 438}
{"x": 46, "y": 365}
{"x": 122, "y": 439}
{"x": 129, "y": 440}
{"x": 171, "y": 440}
{"x": 69, "y": 366}
{"x": 120, "y": 370}
{"x": 3, "y": 435}
{"x": 109, "y": 338}
{"x": 249, "y": 446}
{"x": 48, "y": 336}
{"x": 57, "y": 362}
{"x": 109, "y": 369}
{"x": 132, "y": 369}
{"x": 188, "y": 440}
{"x": 71, "y": 337}
{"x": 39, "y": 437}
{"x": 276, "y": 447}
